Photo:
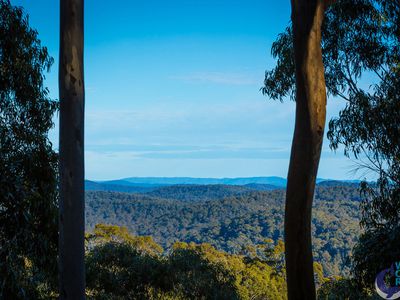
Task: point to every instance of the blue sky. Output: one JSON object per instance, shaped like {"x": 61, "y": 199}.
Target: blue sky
{"x": 172, "y": 89}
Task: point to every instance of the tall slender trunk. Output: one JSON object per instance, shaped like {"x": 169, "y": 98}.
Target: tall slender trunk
{"x": 72, "y": 205}
{"x": 307, "y": 16}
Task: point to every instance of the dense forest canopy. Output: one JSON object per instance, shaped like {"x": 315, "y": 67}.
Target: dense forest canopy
{"x": 231, "y": 222}
{"x": 206, "y": 238}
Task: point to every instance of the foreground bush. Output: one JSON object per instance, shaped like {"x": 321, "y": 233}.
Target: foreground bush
{"x": 120, "y": 266}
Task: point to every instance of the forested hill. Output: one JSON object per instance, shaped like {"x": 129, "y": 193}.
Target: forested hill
{"x": 230, "y": 217}
{"x": 205, "y": 192}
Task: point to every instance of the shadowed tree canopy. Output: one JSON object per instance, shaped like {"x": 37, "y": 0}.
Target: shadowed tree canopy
{"x": 28, "y": 196}
{"x": 357, "y": 37}
{"x": 360, "y": 42}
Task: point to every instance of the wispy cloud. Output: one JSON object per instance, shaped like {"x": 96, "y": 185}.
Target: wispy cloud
{"x": 240, "y": 129}
{"x": 189, "y": 152}
{"x": 217, "y": 78}
{"x": 119, "y": 165}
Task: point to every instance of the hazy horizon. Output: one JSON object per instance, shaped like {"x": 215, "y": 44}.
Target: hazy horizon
{"x": 217, "y": 178}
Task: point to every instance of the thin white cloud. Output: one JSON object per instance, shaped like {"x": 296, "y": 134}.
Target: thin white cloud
{"x": 217, "y": 78}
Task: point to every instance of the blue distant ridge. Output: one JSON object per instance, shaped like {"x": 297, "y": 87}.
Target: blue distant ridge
{"x": 273, "y": 180}
{"x": 145, "y": 184}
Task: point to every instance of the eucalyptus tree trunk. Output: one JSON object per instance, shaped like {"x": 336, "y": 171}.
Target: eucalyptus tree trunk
{"x": 307, "y": 16}
{"x": 72, "y": 205}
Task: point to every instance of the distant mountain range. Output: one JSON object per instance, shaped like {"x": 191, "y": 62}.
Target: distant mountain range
{"x": 148, "y": 184}
{"x": 276, "y": 181}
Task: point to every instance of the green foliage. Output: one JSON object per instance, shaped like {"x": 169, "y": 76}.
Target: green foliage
{"x": 204, "y": 272}
{"x": 122, "y": 266}
{"x": 234, "y": 223}
{"x": 110, "y": 233}
{"x": 377, "y": 250}
{"x": 379, "y": 246}
{"x": 368, "y": 126}
{"x": 120, "y": 269}
{"x": 28, "y": 194}
{"x": 344, "y": 289}
{"x": 360, "y": 39}
{"x": 357, "y": 37}
{"x": 198, "y": 192}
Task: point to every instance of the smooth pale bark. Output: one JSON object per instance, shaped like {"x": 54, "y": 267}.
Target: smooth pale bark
{"x": 307, "y": 16}
{"x": 72, "y": 205}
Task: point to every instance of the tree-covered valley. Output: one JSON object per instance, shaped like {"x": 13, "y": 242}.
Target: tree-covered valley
{"x": 231, "y": 218}
{"x": 162, "y": 235}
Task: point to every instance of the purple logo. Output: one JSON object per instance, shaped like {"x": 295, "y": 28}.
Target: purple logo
{"x": 385, "y": 289}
